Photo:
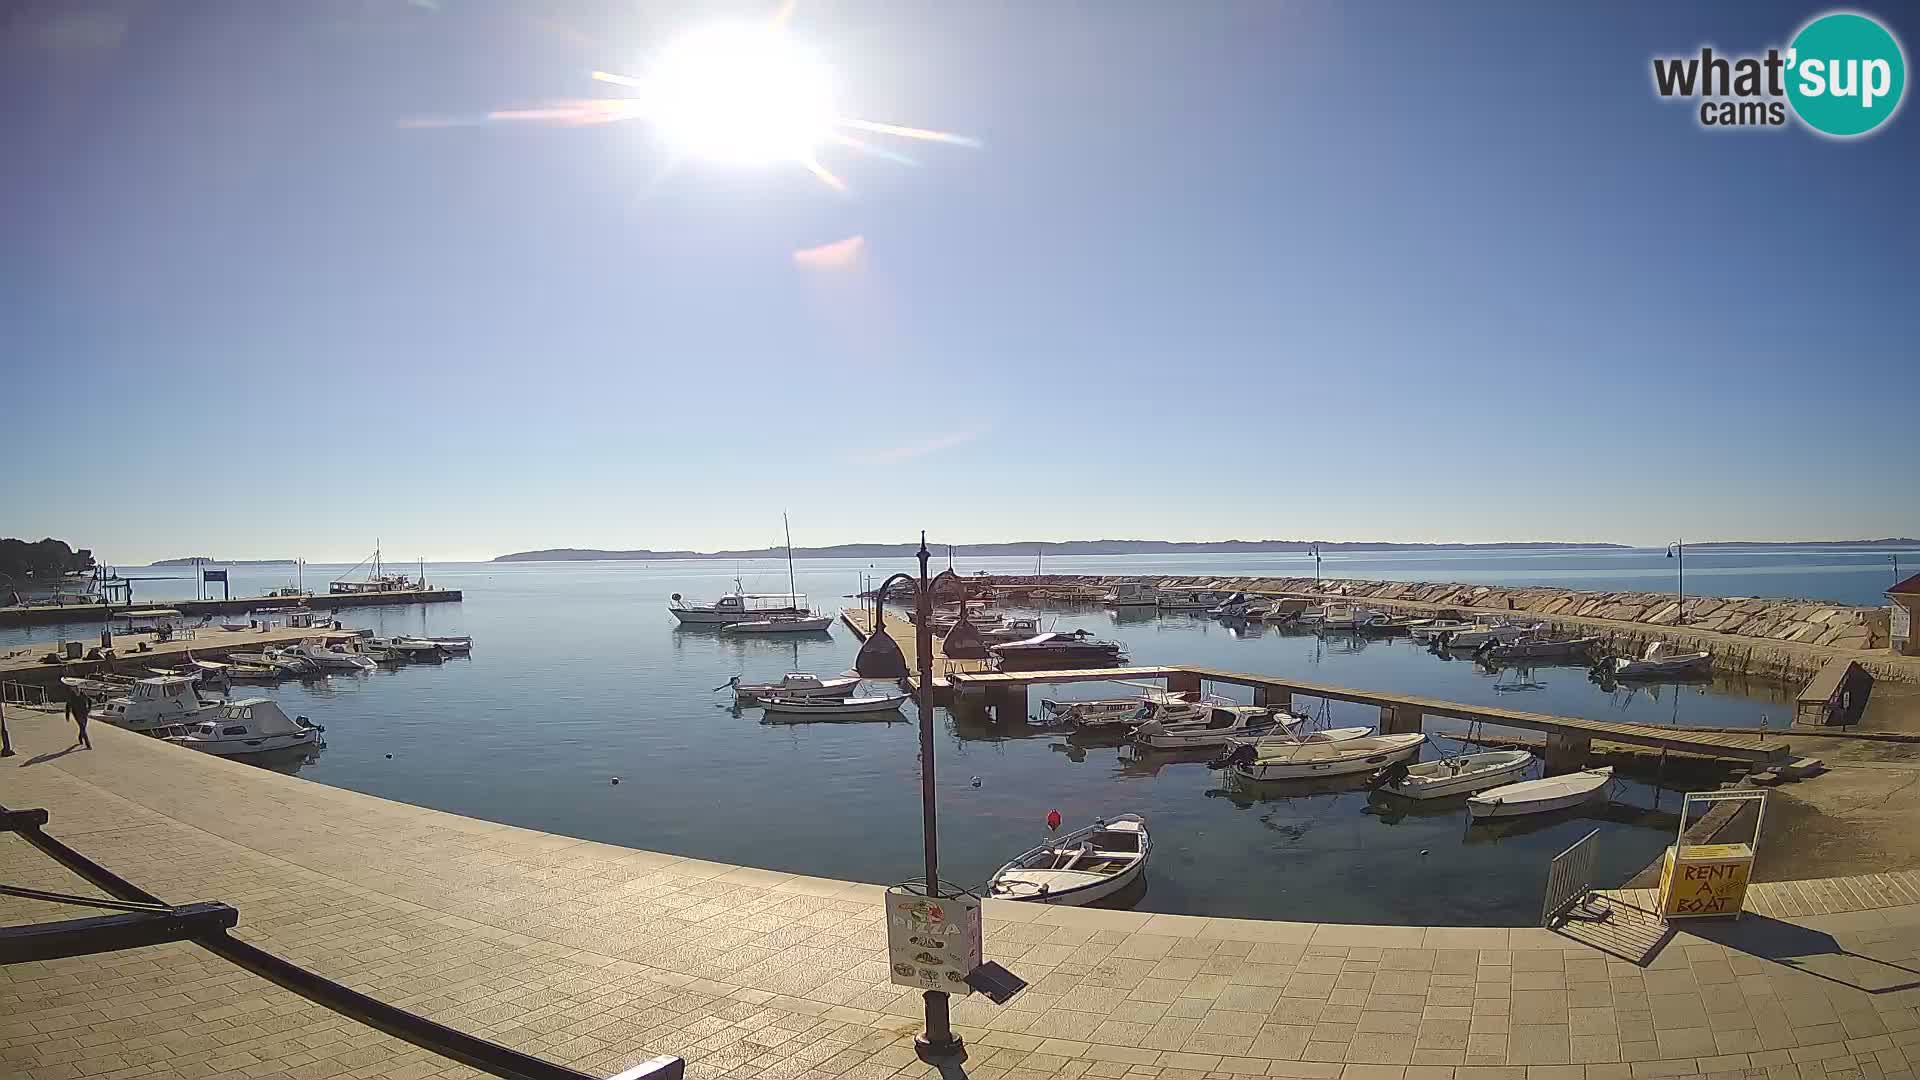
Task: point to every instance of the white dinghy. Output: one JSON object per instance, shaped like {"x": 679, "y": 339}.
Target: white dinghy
{"x": 1458, "y": 775}
{"x": 1658, "y": 661}
{"x": 1541, "y": 796}
{"x": 1080, "y": 867}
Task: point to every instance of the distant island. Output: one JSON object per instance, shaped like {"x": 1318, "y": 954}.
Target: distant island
{"x": 1028, "y": 547}
{"x": 191, "y": 560}
{"x": 1130, "y": 547}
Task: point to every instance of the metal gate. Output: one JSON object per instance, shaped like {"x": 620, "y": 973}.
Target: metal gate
{"x": 1569, "y": 879}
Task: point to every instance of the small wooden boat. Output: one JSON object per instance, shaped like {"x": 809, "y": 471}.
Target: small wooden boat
{"x": 1659, "y": 661}
{"x": 1477, "y": 636}
{"x": 1459, "y": 775}
{"x": 809, "y": 623}
{"x": 1296, "y": 738}
{"x": 794, "y": 684}
{"x": 249, "y": 726}
{"x": 236, "y": 627}
{"x": 1541, "y": 796}
{"x": 1307, "y": 759}
{"x": 1433, "y": 628}
{"x": 1213, "y": 727}
{"x": 796, "y": 709}
{"x": 1130, "y": 712}
{"x": 1079, "y": 867}
{"x": 255, "y": 673}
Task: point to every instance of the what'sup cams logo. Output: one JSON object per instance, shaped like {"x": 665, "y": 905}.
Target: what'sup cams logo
{"x": 1843, "y": 76}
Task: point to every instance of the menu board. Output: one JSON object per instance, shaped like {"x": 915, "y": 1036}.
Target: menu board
{"x": 932, "y": 944}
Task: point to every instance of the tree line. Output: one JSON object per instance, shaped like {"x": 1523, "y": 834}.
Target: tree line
{"x": 49, "y": 558}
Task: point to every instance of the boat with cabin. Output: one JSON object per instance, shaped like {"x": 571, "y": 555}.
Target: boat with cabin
{"x": 1043, "y": 652}
{"x": 736, "y": 606}
{"x": 249, "y": 726}
{"x": 1132, "y": 594}
{"x": 1085, "y": 865}
{"x": 331, "y": 655}
{"x": 163, "y": 704}
{"x": 1188, "y": 599}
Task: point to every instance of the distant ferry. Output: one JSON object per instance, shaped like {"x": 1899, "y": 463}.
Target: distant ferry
{"x": 737, "y": 606}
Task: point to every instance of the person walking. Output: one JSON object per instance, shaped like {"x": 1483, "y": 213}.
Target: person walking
{"x": 77, "y": 709}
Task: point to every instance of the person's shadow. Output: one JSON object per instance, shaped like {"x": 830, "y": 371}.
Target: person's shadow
{"x": 38, "y": 758}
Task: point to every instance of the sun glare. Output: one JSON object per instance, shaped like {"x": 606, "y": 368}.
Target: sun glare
{"x": 740, "y": 93}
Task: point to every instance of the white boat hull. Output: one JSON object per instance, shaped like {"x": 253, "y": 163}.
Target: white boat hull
{"x": 1335, "y": 759}
{"x": 1541, "y": 796}
{"x": 789, "y": 709}
{"x": 779, "y": 626}
{"x": 1461, "y": 775}
{"x": 1473, "y": 639}
{"x": 237, "y": 747}
{"x": 1015, "y": 881}
{"x": 827, "y": 688}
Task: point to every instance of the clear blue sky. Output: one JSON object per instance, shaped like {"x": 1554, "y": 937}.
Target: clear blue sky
{"x": 1384, "y": 271}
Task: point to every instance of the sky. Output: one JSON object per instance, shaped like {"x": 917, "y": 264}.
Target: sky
{"x": 274, "y": 285}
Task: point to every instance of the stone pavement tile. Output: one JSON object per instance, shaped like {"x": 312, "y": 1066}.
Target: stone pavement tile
{"x": 1674, "y": 1011}
{"x": 1441, "y": 1035}
{"x": 1686, "y": 1042}
{"x": 1485, "y": 1049}
{"x": 1736, "y": 1040}
{"x": 1540, "y": 1007}
{"x": 1594, "y": 1048}
{"x": 1305, "y": 1070}
{"x": 1538, "y": 1044}
{"x": 1378, "y": 1048}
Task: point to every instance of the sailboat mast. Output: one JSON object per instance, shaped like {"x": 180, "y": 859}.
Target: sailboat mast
{"x": 792, "y": 589}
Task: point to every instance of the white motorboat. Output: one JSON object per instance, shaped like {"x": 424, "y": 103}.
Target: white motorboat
{"x": 459, "y": 643}
{"x": 1012, "y": 630}
{"x": 249, "y": 726}
{"x": 736, "y": 607}
{"x": 160, "y": 705}
{"x": 1433, "y": 628}
{"x": 808, "y": 623}
{"x": 1480, "y": 635}
{"x": 331, "y": 657}
{"x": 285, "y": 659}
{"x": 255, "y": 672}
{"x": 1127, "y": 712}
{"x": 1541, "y": 796}
{"x": 1658, "y": 661}
{"x": 1458, "y": 775}
{"x": 1188, "y": 599}
{"x": 1132, "y": 594}
{"x": 1233, "y": 607}
{"x": 1080, "y": 867}
{"x": 1297, "y": 737}
{"x": 790, "y": 710}
{"x": 1310, "y": 758}
{"x": 1220, "y": 723}
{"x": 99, "y": 688}
{"x": 794, "y": 684}
{"x": 1343, "y": 617}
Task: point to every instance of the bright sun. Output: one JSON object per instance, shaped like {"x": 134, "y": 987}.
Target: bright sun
{"x": 740, "y": 93}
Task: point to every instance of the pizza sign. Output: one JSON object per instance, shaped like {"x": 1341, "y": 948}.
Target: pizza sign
{"x": 933, "y": 943}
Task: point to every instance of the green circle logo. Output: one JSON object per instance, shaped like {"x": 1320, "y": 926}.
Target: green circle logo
{"x": 1846, "y": 74}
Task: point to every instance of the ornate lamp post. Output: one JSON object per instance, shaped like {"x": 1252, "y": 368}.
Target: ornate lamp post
{"x": 880, "y": 658}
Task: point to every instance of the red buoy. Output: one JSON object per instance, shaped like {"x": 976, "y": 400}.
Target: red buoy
{"x": 1053, "y": 819}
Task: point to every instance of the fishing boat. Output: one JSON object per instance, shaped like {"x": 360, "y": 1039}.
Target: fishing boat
{"x": 98, "y": 688}
{"x": 1541, "y": 648}
{"x": 794, "y": 684}
{"x": 161, "y": 705}
{"x": 1457, "y": 775}
{"x": 1234, "y": 606}
{"x": 1380, "y": 623}
{"x": 1079, "y": 867}
{"x": 285, "y": 659}
{"x": 1541, "y": 796}
{"x": 1340, "y": 617}
{"x": 249, "y": 726}
{"x": 1188, "y": 599}
{"x": 1127, "y": 712}
{"x": 255, "y": 673}
{"x": 1012, "y": 630}
{"x": 1658, "y": 661}
{"x": 460, "y": 643}
{"x": 1309, "y": 758}
{"x": 789, "y": 710}
{"x": 1045, "y": 651}
{"x": 1294, "y": 737}
{"x": 1214, "y": 728}
{"x": 736, "y": 606}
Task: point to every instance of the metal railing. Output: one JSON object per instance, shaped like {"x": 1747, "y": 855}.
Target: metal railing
{"x": 1569, "y": 880}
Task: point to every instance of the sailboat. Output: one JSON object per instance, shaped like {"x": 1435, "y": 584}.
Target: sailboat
{"x": 798, "y": 622}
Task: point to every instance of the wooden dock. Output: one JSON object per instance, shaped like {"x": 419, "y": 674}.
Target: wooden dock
{"x": 905, "y": 635}
{"x": 23, "y": 663}
{"x": 1568, "y": 737}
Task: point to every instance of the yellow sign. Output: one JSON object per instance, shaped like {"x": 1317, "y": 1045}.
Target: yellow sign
{"x": 1707, "y": 879}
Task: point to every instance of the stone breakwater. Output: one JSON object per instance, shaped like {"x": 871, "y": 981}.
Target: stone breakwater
{"x": 1765, "y": 637}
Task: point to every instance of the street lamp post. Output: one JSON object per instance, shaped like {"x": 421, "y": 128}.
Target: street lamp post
{"x": 880, "y": 658}
{"x": 1679, "y": 548}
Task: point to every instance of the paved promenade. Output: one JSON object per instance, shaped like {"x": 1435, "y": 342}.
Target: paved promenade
{"x": 602, "y": 956}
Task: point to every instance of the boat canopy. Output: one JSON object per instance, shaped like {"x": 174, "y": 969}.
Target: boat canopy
{"x": 261, "y": 716}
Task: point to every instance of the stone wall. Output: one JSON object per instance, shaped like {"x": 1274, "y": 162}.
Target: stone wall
{"x": 1778, "y": 638}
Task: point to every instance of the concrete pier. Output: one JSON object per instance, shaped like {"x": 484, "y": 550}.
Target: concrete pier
{"x": 44, "y": 614}
{"x": 23, "y": 663}
{"x": 601, "y": 956}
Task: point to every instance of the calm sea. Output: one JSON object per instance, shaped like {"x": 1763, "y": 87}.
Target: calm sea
{"x": 580, "y": 675}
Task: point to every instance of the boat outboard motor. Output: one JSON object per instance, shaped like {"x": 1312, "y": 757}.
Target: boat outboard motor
{"x": 1243, "y": 754}
{"x": 1388, "y": 775}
